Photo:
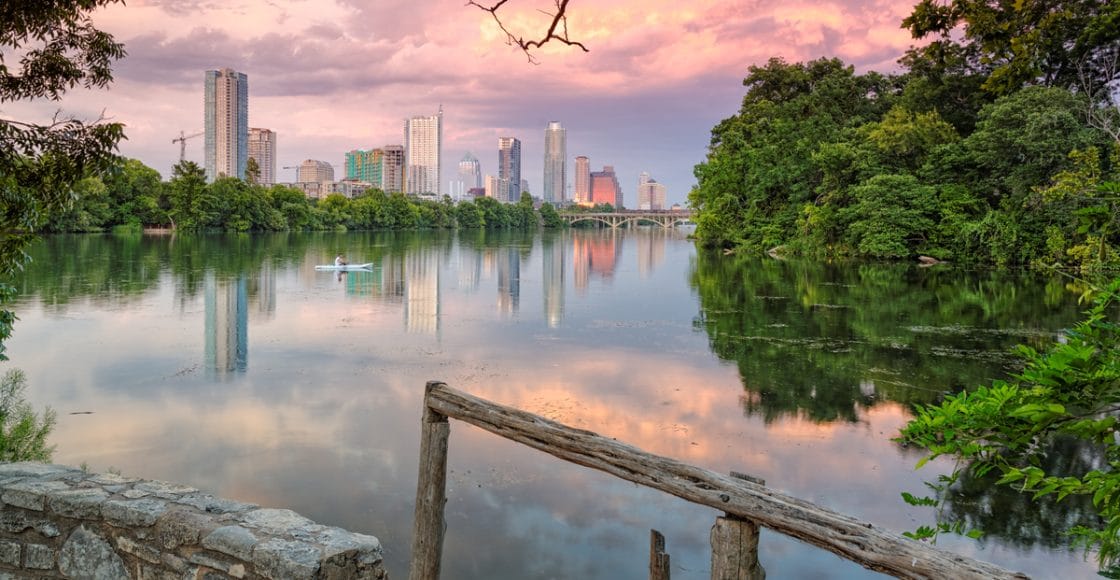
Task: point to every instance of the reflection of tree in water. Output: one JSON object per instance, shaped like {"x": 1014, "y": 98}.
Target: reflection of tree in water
{"x": 1020, "y": 520}
{"x": 825, "y": 340}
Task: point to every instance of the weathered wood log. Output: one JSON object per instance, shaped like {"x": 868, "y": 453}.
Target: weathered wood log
{"x": 431, "y": 493}
{"x": 855, "y": 540}
{"x": 658, "y": 559}
{"x": 735, "y": 544}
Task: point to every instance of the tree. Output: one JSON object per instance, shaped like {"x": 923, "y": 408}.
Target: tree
{"x": 40, "y": 162}
{"x": 252, "y": 171}
{"x": 1012, "y": 44}
{"x": 192, "y": 204}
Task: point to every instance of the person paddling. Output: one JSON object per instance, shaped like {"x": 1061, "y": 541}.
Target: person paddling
{"x": 339, "y": 261}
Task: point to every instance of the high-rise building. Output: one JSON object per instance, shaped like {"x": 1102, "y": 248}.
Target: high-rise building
{"x": 392, "y": 169}
{"x": 262, "y": 148}
{"x": 423, "y": 142}
{"x": 470, "y": 177}
{"x": 314, "y": 171}
{"x": 364, "y": 166}
{"x": 605, "y": 188}
{"x": 497, "y": 188}
{"x": 227, "y": 123}
{"x": 555, "y": 163}
{"x": 651, "y": 194}
{"x": 509, "y": 166}
{"x": 583, "y": 180}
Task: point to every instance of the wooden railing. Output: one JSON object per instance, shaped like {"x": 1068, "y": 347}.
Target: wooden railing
{"x": 861, "y": 542}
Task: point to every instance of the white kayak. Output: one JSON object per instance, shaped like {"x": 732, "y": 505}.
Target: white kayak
{"x": 366, "y": 266}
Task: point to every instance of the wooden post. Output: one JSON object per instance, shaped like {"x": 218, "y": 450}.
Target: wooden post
{"x": 658, "y": 559}
{"x": 735, "y": 544}
{"x": 431, "y": 493}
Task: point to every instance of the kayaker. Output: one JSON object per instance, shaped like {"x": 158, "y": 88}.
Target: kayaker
{"x": 339, "y": 261}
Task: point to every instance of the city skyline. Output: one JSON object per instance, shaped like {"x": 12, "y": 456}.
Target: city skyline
{"x": 645, "y": 97}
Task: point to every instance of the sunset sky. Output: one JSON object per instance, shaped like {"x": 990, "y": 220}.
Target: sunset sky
{"x": 334, "y": 75}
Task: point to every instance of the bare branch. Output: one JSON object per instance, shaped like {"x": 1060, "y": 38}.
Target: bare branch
{"x": 559, "y": 20}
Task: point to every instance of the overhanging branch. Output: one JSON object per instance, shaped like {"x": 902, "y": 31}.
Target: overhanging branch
{"x": 557, "y": 30}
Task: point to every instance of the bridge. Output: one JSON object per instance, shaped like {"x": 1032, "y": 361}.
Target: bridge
{"x": 663, "y": 218}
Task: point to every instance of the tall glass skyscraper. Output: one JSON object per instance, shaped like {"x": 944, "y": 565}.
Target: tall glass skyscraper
{"x": 423, "y": 143}
{"x": 509, "y": 166}
{"x": 227, "y": 123}
{"x": 555, "y": 163}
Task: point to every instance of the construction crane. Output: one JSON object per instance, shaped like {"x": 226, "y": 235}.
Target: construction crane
{"x": 182, "y": 141}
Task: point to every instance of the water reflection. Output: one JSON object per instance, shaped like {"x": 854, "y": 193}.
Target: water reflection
{"x": 796, "y": 373}
{"x": 227, "y": 325}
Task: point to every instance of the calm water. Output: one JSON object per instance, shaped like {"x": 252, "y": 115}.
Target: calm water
{"x": 229, "y": 363}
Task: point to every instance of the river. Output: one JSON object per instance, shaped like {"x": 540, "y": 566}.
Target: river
{"x": 229, "y": 363}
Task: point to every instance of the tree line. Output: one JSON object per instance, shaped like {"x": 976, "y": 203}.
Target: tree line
{"x": 133, "y": 195}
{"x": 998, "y": 144}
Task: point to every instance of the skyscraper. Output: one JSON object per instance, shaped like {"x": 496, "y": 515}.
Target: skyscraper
{"x": 651, "y": 194}
{"x": 509, "y": 166}
{"x": 364, "y": 166}
{"x": 555, "y": 163}
{"x": 605, "y": 188}
{"x": 227, "y": 123}
{"x": 423, "y": 143}
{"x": 392, "y": 169}
{"x": 262, "y": 148}
{"x": 583, "y": 180}
{"x": 470, "y": 176}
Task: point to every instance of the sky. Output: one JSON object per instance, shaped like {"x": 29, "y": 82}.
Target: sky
{"x": 329, "y": 76}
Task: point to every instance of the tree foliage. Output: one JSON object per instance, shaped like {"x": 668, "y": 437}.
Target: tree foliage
{"x": 983, "y": 121}
{"x": 40, "y": 162}
{"x": 1067, "y": 391}
{"x": 23, "y": 432}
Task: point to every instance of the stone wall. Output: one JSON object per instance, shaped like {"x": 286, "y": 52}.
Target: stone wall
{"x": 61, "y": 522}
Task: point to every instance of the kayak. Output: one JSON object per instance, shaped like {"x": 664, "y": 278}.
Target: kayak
{"x": 366, "y": 266}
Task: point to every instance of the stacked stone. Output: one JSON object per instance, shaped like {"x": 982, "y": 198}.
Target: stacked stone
{"x": 61, "y": 522}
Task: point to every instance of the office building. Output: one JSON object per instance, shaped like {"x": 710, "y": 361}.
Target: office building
{"x": 364, "y": 166}
{"x": 583, "y": 180}
{"x": 314, "y": 171}
{"x": 262, "y": 148}
{"x": 392, "y": 169}
{"x": 509, "y": 167}
{"x": 423, "y": 142}
{"x": 470, "y": 177}
{"x": 497, "y": 188}
{"x": 605, "y": 188}
{"x": 651, "y": 194}
{"x": 227, "y": 123}
{"x": 555, "y": 163}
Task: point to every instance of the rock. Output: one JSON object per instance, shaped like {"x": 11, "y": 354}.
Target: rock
{"x": 87, "y": 556}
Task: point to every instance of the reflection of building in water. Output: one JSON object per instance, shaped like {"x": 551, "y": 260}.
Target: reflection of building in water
{"x": 594, "y": 253}
{"x": 227, "y": 325}
{"x": 553, "y": 279}
{"x": 509, "y": 279}
{"x": 421, "y": 313}
{"x": 262, "y": 292}
{"x": 393, "y": 277}
{"x": 470, "y": 268}
{"x": 651, "y": 251}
